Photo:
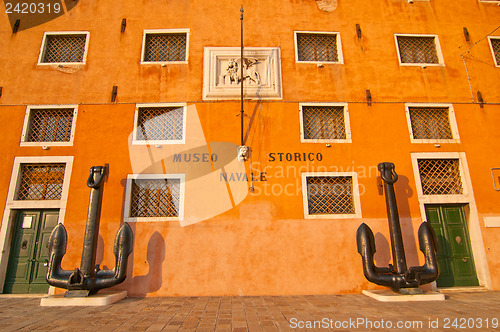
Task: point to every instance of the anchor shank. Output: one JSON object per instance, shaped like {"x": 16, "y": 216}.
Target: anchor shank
{"x": 398, "y": 252}
{"x": 87, "y": 265}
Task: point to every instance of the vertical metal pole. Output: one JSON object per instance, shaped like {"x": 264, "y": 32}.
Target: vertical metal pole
{"x": 242, "y": 113}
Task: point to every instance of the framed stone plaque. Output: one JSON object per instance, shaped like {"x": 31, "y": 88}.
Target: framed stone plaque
{"x": 261, "y": 73}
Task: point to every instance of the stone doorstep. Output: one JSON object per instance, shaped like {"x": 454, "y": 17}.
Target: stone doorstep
{"x": 386, "y": 295}
{"x": 100, "y": 299}
{"x": 464, "y": 289}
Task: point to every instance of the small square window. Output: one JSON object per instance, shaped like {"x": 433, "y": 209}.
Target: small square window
{"x": 414, "y": 49}
{"x": 330, "y": 195}
{"x": 318, "y": 47}
{"x": 154, "y": 197}
{"x": 495, "y": 49}
{"x": 324, "y": 123}
{"x": 64, "y": 48}
{"x": 432, "y": 124}
{"x": 160, "y": 46}
{"x": 41, "y": 182}
{"x": 440, "y": 176}
{"x": 54, "y": 125}
{"x": 160, "y": 124}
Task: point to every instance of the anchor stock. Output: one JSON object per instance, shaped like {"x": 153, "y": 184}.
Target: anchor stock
{"x": 397, "y": 276}
{"x": 89, "y": 279}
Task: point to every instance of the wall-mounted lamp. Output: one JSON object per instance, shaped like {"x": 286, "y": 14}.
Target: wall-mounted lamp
{"x": 16, "y": 25}
{"x": 368, "y": 97}
{"x": 114, "y": 93}
{"x": 466, "y": 35}
{"x": 124, "y": 25}
{"x": 358, "y": 31}
{"x": 480, "y": 99}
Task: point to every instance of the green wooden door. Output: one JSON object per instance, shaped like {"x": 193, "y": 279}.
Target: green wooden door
{"x": 454, "y": 255}
{"x": 27, "y": 266}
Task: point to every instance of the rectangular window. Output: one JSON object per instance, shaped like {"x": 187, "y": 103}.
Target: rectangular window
{"x": 440, "y": 176}
{"x": 64, "y": 48}
{"x": 318, "y": 47}
{"x": 331, "y": 195}
{"x": 432, "y": 124}
{"x": 161, "y": 46}
{"x": 160, "y": 124}
{"x": 495, "y": 49}
{"x": 41, "y": 181}
{"x": 418, "y": 50}
{"x": 154, "y": 197}
{"x": 324, "y": 123}
{"x": 49, "y": 125}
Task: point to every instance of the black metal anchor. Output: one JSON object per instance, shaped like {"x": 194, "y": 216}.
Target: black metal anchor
{"x": 397, "y": 276}
{"x": 89, "y": 279}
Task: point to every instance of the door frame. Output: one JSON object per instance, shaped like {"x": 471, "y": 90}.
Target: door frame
{"x": 470, "y": 209}
{"x": 11, "y": 205}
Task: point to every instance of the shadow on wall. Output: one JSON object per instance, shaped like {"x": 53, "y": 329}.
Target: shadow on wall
{"x": 152, "y": 281}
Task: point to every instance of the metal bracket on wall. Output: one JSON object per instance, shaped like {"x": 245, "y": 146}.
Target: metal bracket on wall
{"x": 493, "y": 178}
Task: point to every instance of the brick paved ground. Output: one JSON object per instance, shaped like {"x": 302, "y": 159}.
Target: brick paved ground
{"x": 258, "y": 313}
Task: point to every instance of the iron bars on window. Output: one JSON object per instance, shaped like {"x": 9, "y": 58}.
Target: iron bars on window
{"x": 163, "y": 47}
{"x": 160, "y": 123}
{"x": 155, "y": 198}
{"x": 440, "y": 176}
{"x": 430, "y": 123}
{"x": 323, "y": 122}
{"x": 330, "y": 195}
{"x": 318, "y": 47}
{"x": 417, "y": 49}
{"x": 64, "y": 48}
{"x": 50, "y": 125}
{"x": 41, "y": 181}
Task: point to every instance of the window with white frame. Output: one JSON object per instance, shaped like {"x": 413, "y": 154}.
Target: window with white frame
{"x": 49, "y": 125}
{"x": 491, "y": 1}
{"x": 418, "y": 49}
{"x": 331, "y": 195}
{"x": 324, "y": 123}
{"x": 41, "y": 181}
{"x": 432, "y": 124}
{"x": 160, "y": 124}
{"x": 154, "y": 197}
{"x": 318, "y": 47}
{"x": 440, "y": 176}
{"x": 162, "y": 46}
{"x": 64, "y": 48}
{"x": 495, "y": 48}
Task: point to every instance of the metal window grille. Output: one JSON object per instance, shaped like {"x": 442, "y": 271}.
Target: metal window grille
{"x": 165, "y": 47}
{"x": 41, "y": 181}
{"x": 50, "y": 125}
{"x": 495, "y": 44}
{"x": 417, "y": 49}
{"x": 317, "y": 47}
{"x": 330, "y": 195}
{"x": 323, "y": 122}
{"x": 160, "y": 123}
{"x": 430, "y": 123}
{"x": 64, "y": 48}
{"x": 440, "y": 176}
{"x": 155, "y": 198}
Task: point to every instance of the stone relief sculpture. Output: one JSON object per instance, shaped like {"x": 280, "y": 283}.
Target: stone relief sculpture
{"x": 233, "y": 74}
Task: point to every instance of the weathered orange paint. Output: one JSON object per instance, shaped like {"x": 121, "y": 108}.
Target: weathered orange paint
{"x": 263, "y": 245}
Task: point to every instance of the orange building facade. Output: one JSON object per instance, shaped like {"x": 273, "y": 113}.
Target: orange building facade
{"x": 332, "y": 88}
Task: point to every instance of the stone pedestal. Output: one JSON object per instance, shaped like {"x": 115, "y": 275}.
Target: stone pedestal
{"x": 386, "y": 295}
{"x": 104, "y": 297}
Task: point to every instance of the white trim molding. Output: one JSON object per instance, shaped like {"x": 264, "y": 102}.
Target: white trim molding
{"x": 355, "y": 195}
{"x": 319, "y": 63}
{"x": 164, "y": 32}
{"x": 128, "y": 196}
{"x": 420, "y": 64}
{"x": 347, "y": 125}
{"x": 12, "y": 204}
{"x": 451, "y": 118}
{"x": 467, "y": 198}
{"x": 26, "y": 125}
{"x": 497, "y": 38}
{"x": 62, "y": 33}
{"x": 138, "y": 107}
